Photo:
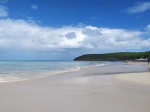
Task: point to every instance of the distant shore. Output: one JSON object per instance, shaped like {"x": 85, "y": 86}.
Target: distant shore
{"x": 138, "y": 63}
{"x": 95, "y": 89}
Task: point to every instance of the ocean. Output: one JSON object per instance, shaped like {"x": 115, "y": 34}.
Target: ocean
{"x": 24, "y": 70}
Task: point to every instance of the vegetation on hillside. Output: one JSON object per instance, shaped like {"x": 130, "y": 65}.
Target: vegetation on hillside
{"x": 114, "y": 56}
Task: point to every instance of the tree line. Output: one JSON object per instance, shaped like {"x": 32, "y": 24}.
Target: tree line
{"x": 120, "y": 56}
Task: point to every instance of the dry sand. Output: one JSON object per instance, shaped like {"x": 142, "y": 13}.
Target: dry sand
{"x": 87, "y": 90}
{"x": 139, "y": 78}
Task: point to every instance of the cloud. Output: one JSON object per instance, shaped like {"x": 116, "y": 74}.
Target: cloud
{"x": 22, "y": 34}
{"x": 3, "y": 11}
{"x": 91, "y": 31}
{"x": 31, "y": 39}
{"x": 139, "y": 8}
{"x": 34, "y": 7}
{"x": 113, "y": 39}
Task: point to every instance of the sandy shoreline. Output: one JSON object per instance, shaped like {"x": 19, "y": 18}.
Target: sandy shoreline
{"x": 94, "y": 89}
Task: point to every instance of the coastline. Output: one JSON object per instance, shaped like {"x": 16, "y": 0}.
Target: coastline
{"x": 88, "y": 89}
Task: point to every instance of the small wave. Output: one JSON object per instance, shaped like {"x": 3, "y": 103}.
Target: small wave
{"x": 40, "y": 75}
{"x": 101, "y": 64}
{"x": 10, "y": 79}
{"x": 94, "y": 65}
{"x": 54, "y": 72}
{"x": 46, "y": 74}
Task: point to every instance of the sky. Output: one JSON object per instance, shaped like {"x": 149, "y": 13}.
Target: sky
{"x": 65, "y": 29}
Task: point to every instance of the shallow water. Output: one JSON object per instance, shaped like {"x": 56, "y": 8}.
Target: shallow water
{"x": 22, "y": 70}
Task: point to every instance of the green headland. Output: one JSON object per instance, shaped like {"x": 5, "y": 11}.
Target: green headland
{"x": 120, "y": 56}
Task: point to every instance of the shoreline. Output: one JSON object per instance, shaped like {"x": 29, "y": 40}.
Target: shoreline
{"x": 8, "y": 79}
{"x": 45, "y": 74}
{"x": 59, "y": 72}
{"x": 86, "y": 90}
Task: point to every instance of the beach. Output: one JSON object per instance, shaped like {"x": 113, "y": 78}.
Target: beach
{"x": 111, "y": 88}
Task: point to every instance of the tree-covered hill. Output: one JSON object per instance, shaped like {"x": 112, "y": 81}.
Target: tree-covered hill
{"x": 114, "y": 56}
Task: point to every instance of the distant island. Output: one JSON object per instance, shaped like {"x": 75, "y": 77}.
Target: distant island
{"x": 118, "y": 56}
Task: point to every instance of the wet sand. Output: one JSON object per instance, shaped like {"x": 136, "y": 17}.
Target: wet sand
{"x": 93, "y": 89}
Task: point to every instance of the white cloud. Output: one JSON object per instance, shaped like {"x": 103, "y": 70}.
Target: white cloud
{"x": 112, "y": 38}
{"x": 34, "y": 7}
{"x": 21, "y": 34}
{"x": 139, "y": 8}
{"x": 3, "y": 11}
{"x": 25, "y": 36}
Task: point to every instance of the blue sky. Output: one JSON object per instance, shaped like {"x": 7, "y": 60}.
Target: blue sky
{"x": 64, "y": 29}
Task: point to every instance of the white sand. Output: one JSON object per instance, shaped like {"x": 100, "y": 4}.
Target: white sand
{"x": 87, "y": 90}
{"x": 140, "y": 78}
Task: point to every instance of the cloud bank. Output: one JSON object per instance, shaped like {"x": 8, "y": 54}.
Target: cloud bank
{"x": 20, "y": 34}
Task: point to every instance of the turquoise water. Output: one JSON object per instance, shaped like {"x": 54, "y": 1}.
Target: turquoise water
{"x": 22, "y": 70}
